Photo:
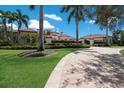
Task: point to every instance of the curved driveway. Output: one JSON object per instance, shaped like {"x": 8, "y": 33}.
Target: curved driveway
{"x": 94, "y": 67}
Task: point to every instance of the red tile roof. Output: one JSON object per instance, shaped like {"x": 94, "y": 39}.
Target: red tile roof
{"x": 95, "y": 36}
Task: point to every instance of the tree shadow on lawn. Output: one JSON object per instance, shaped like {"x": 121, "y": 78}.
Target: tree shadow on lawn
{"x": 109, "y": 69}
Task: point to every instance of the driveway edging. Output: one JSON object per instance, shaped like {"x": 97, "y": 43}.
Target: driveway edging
{"x": 55, "y": 76}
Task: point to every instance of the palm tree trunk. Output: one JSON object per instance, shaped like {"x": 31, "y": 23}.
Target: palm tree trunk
{"x": 5, "y": 30}
{"x": 77, "y": 22}
{"x": 12, "y": 27}
{"x": 107, "y": 43}
{"x": 12, "y": 32}
{"x": 41, "y": 32}
{"x": 18, "y": 35}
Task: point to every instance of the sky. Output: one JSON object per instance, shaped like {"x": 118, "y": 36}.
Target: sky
{"x": 54, "y": 19}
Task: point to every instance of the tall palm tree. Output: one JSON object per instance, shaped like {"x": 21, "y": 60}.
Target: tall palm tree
{"x": 11, "y": 18}
{"x": 78, "y": 12}
{"x": 105, "y": 18}
{"x": 3, "y": 16}
{"x": 21, "y": 19}
{"x": 41, "y": 32}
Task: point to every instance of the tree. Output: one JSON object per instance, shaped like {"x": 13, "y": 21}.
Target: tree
{"x": 21, "y": 19}
{"x": 3, "y": 16}
{"x": 78, "y": 12}
{"x": 118, "y": 37}
{"x": 106, "y": 18}
{"x": 41, "y": 32}
{"x": 11, "y": 18}
{"x": 115, "y": 37}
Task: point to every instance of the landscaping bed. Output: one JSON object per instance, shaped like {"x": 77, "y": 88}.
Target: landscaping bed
{"x": 35, "y": 53}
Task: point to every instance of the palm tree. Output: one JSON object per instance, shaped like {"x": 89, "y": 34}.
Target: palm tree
{"x": 11, "y": 18}
{"x": 78, "y": 12}
{"x": 21, "y": 19}
{"x": 41, "y": 32}
{"x": 106, "y": 17}
{"x": 3, "y": 16}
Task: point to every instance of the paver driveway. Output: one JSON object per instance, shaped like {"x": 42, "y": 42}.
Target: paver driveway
{"x": 94, "y": 67}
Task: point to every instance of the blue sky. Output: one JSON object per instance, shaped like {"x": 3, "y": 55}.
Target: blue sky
{"x": 55, "y": 20}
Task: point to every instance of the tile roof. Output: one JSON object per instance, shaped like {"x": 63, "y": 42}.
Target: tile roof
{"x": 95, "y": 36}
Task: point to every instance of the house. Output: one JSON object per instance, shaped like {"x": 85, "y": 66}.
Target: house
{"x": 49, "y": 35}
{"x": 96, "y": 39}
{"x": 26, "y": 30}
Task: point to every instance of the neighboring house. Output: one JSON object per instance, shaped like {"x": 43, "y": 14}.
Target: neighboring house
{"x": 50, "y": 35}
{"x": 26, "y": 35}
{"x": 26, "y": 30}
{"x": 97, "y": 39}
{"x": 53, "y": 35}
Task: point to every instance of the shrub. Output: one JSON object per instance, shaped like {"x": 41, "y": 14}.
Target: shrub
{"x": 18, "y": 47}
{"x": 48, "y": 46}
{"x": 67, "y": 45}
{"x": 5, "y": 43}
{"x": 64, "y": 41}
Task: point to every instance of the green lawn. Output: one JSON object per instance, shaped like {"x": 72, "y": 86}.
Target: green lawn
{"x": 27, "y": 72}
{"x": 122, "y": 52}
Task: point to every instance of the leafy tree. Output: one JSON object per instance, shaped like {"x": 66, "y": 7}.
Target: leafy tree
{"x": 118, "y": 37}
{"x": 107, "y": 18}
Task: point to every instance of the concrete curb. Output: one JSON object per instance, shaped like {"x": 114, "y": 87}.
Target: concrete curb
{"x": 55, "y": 77}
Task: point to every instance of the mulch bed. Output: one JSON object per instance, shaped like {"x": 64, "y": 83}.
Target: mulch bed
{"x": 35, "y": 53}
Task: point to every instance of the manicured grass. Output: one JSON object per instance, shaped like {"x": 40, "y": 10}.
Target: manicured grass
{"x": 122, "y": 52}
{"x": 27, "y": 72}
{"x": 116, "y": 46}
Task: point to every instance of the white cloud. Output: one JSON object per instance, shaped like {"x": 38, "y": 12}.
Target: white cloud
{"x": 53, "y": 16}
{"x": 91, "y": 21}
{"x": 48, "y": 25}
{"x": 35, "y": 24}
{"x": 14, "y": 26}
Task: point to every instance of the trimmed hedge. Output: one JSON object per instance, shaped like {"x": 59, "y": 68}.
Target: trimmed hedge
{"x": 18, "y": 47}
{"x": 67, "y": 45}
{"x": 5, "y": 43}
{"x": 48, "y": 46}
{"x": 63, "y": 41}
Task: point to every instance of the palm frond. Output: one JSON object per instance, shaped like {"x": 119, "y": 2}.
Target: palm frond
{"x": 19, "y": 12}
{"x": 25, "y": 23}
{"x": 63, "y": 9}
{"x": 71, "y": 15}
{"x": 32, "y": 7}
{"x": 26, "y": 17}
